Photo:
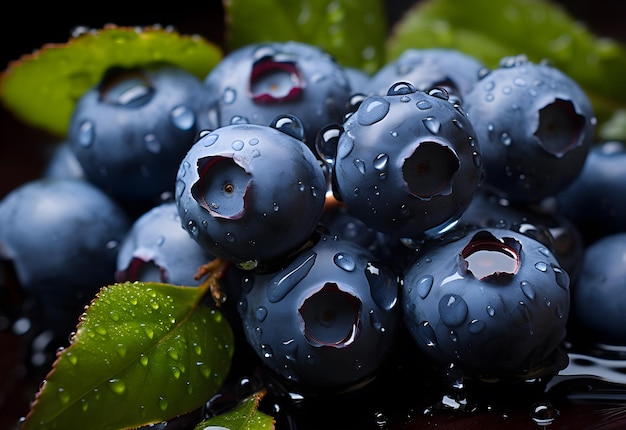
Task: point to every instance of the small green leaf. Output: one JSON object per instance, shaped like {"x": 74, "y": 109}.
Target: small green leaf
{"x": 353, "y": 31}
{"x": 42, "y": 88}
{"x": 142, "y": 353}
{"x": 245, "y": 417}
{"x": 540, "y": 29}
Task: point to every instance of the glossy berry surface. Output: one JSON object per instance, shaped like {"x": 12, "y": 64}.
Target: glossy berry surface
{"x": 535, "y": 126}
{"x": 594, "y": 201}
{"x": 453, "y": 70}
{"x": 158, "y": 249}
{"x": 494, "y": 303}
{"x": 328, "y": 318}
{"x": 130, "y": 131}
{"x": 406, "y": 163}
{"x": 263, "y": 80}
{"x": 251, "y": 193}
{"x": 599, "y": 297}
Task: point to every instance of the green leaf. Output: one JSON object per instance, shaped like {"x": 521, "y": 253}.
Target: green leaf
{"x": 490, "y": 30}
{"x": 42, "y": 88}
{"x": 142, "y": 353}
{"x": 245, "y": 417}
{"x": 353, "y": 31}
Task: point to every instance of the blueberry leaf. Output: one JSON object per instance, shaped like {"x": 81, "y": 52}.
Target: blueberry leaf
{"x": 42, "y": 88}
{"x": 353, "y": 31}
{"x": 141, "y": 354}
{"x": 539, "y": 29}
{"x": 244, "y": 417}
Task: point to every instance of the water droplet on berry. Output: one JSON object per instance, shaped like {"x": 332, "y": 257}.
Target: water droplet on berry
{"x": 230, "y": 237}
{"x": 207, "y": 140}
{"x": 261, "y": 313}
{"x": 285, "y": 282}
{"x": 423, "y": 105}
{"x": 426, "y": 334}
{"x": 182, "y": 118}
{"x": 372, "y": 110}
{"x": 381, "y": 161}
{"x": 541, "y": 266}
{"x": 344, "y": 261}
{"x": 359, "y": 165}
{"x": 433, "y": 125}
{"x": 237, "y": 145}
{"x": 543, "y": 414}
{"x": 229, "y": 96}
{"x": 506, "y": 139}
{"x": 424, "y": 285}
{"x": 86, "y": 134}
{"x": 453, "y": 310}
{"x": 527, "y": 289}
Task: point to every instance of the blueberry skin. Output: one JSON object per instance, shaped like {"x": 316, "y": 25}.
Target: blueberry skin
{"x": 453, "y": 70}
{"x": 493, "y": 302}
{"x": 599, "y": 296}
{"x": 250, "y": 193}
{"x": 327, "y": 319}
{"x": 158, "y": 249}
{"x": 535, "y": 126}
{"x": 130, "y": 131}
{"x": 594, "y": 201}
{"x": 408, "y": 163}
{"x": 62, "y": 236}
{"x": 262, "y": 80}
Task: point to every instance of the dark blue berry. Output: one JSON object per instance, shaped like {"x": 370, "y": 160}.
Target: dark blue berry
{"x": 251, "y": 193}
{"x": 599, "y": 296}
{"x": 494, "y": 303}
{"x": 450, "y": 69}
{"x": 328, "y": 318}
{"x": 158, "y": 249}
{"x": 130, "y": 132}
{"x": 263, "y": 80}
{"x": 406, "y": 163}
{"x": 535, "y": 126}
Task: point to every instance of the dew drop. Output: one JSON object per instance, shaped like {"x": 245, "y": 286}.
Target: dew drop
{"x": 148, "y": 331}
{"x": 100, "y": 330}
{"x": 237, "y": 145}
{"x": 543, "y": 414}
{"x": 541, "y": 266}
{"x": 163, "y": 403}
{"x": 229, "y": 96}
{"x": 86, "y": 134}
{"x": 261, "y": 313}
{"x": 182, "y": 118}
{"x": 71, "y": 358}
{"x": 344, "y": 261}
{"x": 117, "y": 386}
{"x": 192, "y": 227}
{"x": 64, "y": 396}
{"x": 423, "y": 105}
{"x": 143, "y": 360}
{"x": 453, "y": 310}
{"x": 372, "y": 110}
{"x": 176, "y": 372}
{"x": 381, "y": 161}
{"x": 285, "y": 282}
{"x": 209, "y": 140}
{"x": 424, "y": 285}
{"x": 505, "y": 138}
{"x": 173, "y": 353}
{"x": 152, "y": 143}
{"x": 432, "y": 124}
{"x": 476, "y": 326}
{"x": 426, "y": 334}
{"x": 527, "y": 289}
{"x": 230, "y": 237}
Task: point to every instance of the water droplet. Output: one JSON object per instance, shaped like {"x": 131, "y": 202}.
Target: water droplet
{"x": 152, "y": 143}
{"x": 426, "y": 334}
{"x": 453, "y": 310}
{"x": 86, "y": 134}
{"x": 173, "y": 353}
{"x": 237, "y": 145}
{"x": 176, "y": 372}
{"x": 143, "y": 360}
{"x": 84, "y": 406}
{"x": 506, "y": 139}
{"x": 192, "y": 227}
{"x": 424, "y": 285}
{"x": 372, "y": 110}
{"x": 117, "y": 386}
{"x": 384, "y": 285}
{"x": 208, "y": 140}
{"x": 261, "y": 313}
{"x": 148, "y": 331}
{"x": 491, "y": 311}
{"x": 432, "y": 124}
{"x": 562, "y": 277}
{"x": 182, "y": 118}
{"x": 284, "y": 282}
{"x": 527, "y": 289}
{"x": 541, "y": 266}
{"x": 71, "y": 358}
{"x": 344, "y": 261}
{"x": 100, "y": 330}
{"x": 64, "y": 396}
{"x": 229, "y": 96}
{"x": 163, "y": 403}
{"x": 476, "y": 326}
{"x": 230, "y": 237}
{"x": 423, "y": 105}
{"x": 381, "y": 161}
{"x": 543, "y": 414}
{"x": 359, "y": 165}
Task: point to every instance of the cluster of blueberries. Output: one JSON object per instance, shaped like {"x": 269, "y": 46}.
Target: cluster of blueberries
{"x": 467, "y": 209}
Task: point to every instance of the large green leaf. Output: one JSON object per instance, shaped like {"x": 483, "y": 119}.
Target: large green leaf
{"x": 142, "y": 353}
{"x": 540, "y": 29}
{"x": 42, "y": 88}
{"x": 353, "y": 31}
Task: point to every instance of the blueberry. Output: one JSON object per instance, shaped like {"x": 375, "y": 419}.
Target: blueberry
{"x": 327, "y": 319}
{"x": 599, "y": 296}
{"x": 557, "y": 233}
{"x": 594, "y": 201}
{"x": 61, "y": 236}
{"x": 450, "y": 69}
{"x": 158, "y": 249}
{"x": 535, "y": 126}
{"x": 263, "y": 80}
{"x": 130, "y": 131}
{"x": 62, "y": 163}
{"x": 406, "y": 163}
{"x": 251, "y": 193}
{"x": 493, "y": 302}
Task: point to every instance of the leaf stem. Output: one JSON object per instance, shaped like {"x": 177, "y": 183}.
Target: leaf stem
{"x": 213, "y": 271}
